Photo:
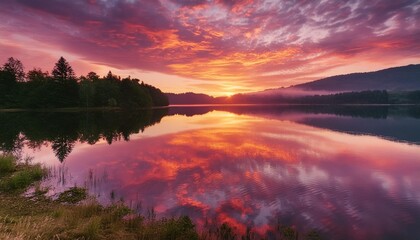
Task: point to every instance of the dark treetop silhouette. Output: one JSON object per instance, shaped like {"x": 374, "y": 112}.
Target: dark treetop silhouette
{"x": 38, "y": 89}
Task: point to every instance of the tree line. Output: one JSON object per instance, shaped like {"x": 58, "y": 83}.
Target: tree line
{"x": 362, "y": 97}
{"x": 62, "y": 89}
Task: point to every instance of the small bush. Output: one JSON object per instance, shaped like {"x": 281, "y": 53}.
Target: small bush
{"x": 22, "y": 179}
{"x": 7, "y": 164}
{"x": 73, "y": 195}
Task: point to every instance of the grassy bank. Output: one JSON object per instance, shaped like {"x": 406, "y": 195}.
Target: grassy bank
{"x": 73, "y": 215}
{"x": 40, "y": 217}
{"x": 17, "y": 177}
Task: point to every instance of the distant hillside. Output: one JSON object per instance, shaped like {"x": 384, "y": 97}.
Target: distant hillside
{"x": 404, "y": 78}
{"x": 191, "y": 98}
{"x": 402, "y": 85}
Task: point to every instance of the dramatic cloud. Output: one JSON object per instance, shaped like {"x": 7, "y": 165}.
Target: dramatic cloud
{"x": 232, "y": 45}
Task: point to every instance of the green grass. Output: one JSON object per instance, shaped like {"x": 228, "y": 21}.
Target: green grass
{"x": 7, "y": 164}
{"x": 22, "y": 178}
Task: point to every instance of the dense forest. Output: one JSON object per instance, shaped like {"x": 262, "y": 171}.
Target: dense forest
{"x": 62, "y": 89}
{"x": 363, "y": 97}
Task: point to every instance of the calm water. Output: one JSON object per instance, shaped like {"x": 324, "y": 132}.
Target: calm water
{"x": 350, "y": 172}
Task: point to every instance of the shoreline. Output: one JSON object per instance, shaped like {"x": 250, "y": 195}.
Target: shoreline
{"x": 76, "y": 109}
{"x": 93, "y": 109}
{"x": 74, "y": 214}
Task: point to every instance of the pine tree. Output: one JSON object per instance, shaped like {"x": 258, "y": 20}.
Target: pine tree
{"x": 62, "y": 71}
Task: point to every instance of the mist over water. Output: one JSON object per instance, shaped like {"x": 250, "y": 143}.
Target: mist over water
{"x": 349, "y": 172}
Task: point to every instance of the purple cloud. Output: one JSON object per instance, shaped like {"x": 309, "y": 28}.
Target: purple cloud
{"x": 235, "y": 42}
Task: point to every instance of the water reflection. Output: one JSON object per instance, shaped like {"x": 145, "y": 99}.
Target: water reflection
{"x": 391, "y": 122}
{"x": 257, "y": 167}
{"x": 62, "y": 130}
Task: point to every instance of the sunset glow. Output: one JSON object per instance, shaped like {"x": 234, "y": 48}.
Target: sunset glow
{"x": 218, "y": 47}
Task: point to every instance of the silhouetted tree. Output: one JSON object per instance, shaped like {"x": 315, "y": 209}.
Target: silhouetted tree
{"x": 63, "y": 71}
{"x": 15, "y": 67}
{"x": 158, "y": 97}
{"x": 92, "y": 76}
{"x": 63, "y": 89}
{"x": 133, "y": 95}
{"x": 112, "y": 78}
{"x": 66, "y": 93}
{"x": 37, "y": 75}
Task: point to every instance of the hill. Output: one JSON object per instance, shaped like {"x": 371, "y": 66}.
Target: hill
{"x": 401, "y": 85}
{"x": 405, "y": 78}
{"x": 193, "y": 98}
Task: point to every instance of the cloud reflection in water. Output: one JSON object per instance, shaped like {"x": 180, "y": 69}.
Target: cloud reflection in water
{"x": 250, "y": 171}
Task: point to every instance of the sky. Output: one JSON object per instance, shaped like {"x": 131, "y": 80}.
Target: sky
{"x": 218, "y": 47}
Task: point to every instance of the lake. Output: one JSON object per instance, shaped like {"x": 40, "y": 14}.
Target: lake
{"x": 350, "y": 172}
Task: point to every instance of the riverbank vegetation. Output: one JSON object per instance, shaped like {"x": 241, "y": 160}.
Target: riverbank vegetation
{"x": 16, "y": 177}
{"x": 74, "y": 215}
{"x": 62, "y": 89}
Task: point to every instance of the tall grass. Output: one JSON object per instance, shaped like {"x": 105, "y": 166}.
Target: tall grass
{"x": 15, "y": 176}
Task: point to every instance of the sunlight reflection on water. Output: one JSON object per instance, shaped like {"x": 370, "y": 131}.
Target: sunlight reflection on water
{"x": 249, "y": 170}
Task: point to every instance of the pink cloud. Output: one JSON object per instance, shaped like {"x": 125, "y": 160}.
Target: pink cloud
{"x": 228, "y": 42}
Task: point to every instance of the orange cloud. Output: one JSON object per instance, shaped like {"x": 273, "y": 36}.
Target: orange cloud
{"x": 234, "y": 66}
{"x": 234, "y": 43}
